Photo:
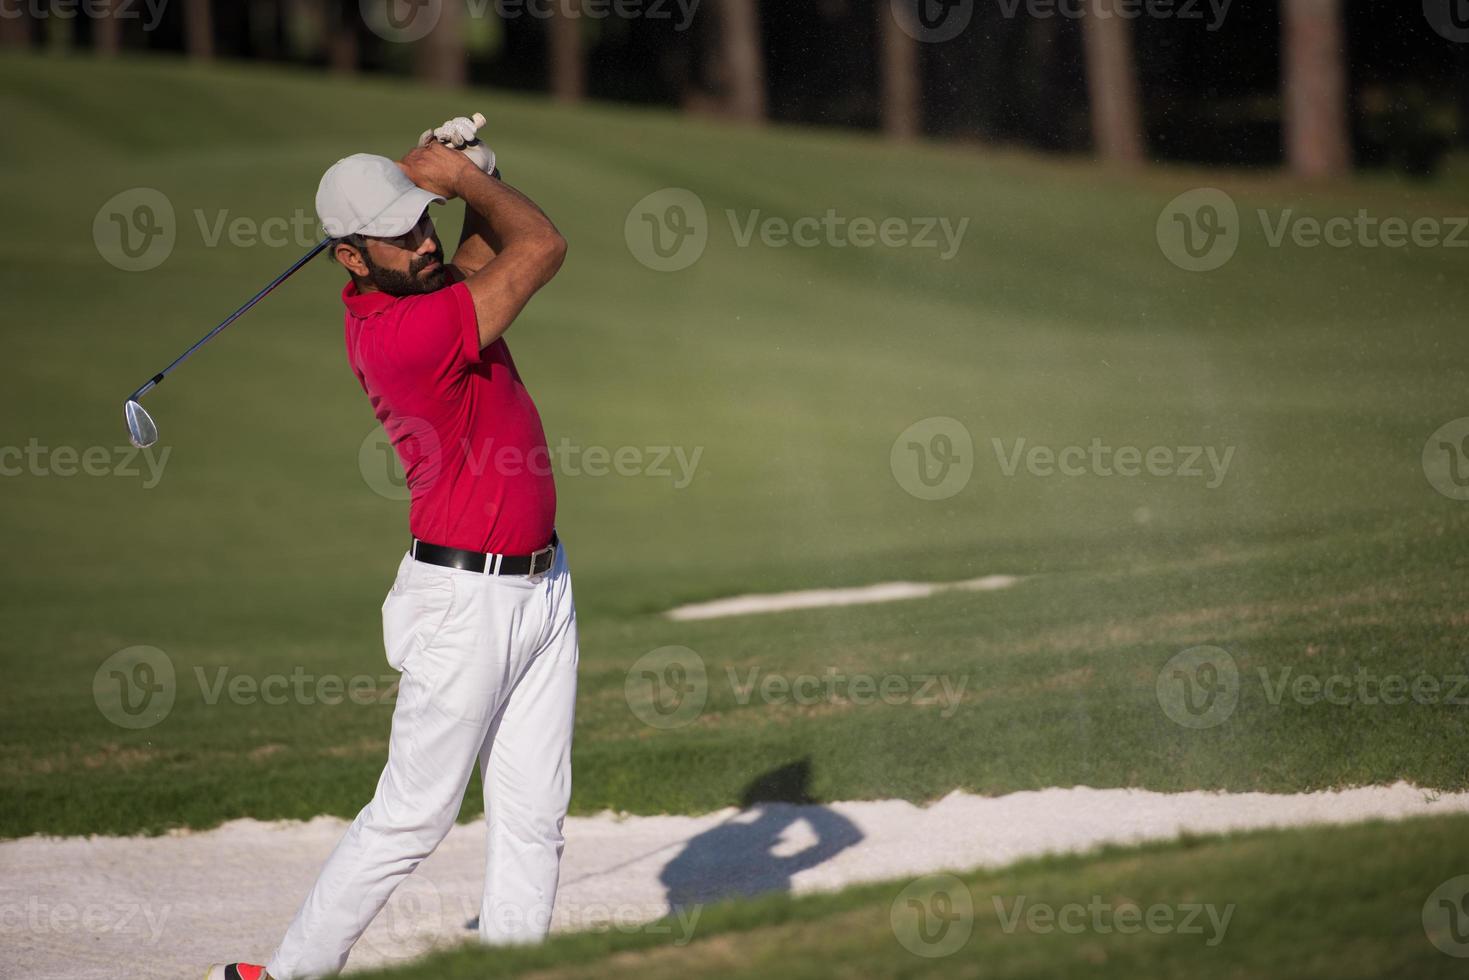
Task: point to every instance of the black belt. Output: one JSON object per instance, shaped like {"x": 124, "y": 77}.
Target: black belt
{"x": 482, "y": 564}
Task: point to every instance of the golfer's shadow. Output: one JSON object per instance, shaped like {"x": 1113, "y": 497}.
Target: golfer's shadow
{"x": 778, "y": 833}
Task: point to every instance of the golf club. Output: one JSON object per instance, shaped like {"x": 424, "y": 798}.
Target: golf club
{"x": 142, "y": 431}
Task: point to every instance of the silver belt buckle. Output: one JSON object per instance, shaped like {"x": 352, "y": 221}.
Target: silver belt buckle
{"x": 535, "y": 559}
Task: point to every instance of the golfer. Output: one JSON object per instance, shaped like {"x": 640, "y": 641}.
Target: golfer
{"x": 480, "y": 620}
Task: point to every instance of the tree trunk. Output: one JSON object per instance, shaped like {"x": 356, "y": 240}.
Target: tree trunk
{"x": 343, "y": 24}
{"x": 568, "y": 73}
{"x": 106, "y": 30}
{"x": 1117, "y": 129}
{"x": 1463, "y": 129}
{"x": 15, "y": 27}
{"x": 902, "y": 86}
{"x": 1315, "y": 79}
{"x": 199, "y": 29}
{"x": 443, "y": 57}
{"x": 743, "y": 59}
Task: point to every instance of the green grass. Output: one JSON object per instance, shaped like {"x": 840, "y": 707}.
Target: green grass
{"x": 1330, "y": 903}
{"x": 263, "y": 551}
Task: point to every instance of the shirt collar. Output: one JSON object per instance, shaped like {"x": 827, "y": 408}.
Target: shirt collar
{"x": 361, "y": 304}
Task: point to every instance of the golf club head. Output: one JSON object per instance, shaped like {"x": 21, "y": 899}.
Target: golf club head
{"x": 141, "y": 430}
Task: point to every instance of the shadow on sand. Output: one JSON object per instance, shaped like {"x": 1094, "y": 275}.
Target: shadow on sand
{"x": 749, "y": 853}
{"x": 779, "y": 832}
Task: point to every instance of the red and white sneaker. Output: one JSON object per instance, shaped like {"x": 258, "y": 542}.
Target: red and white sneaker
{"x": 236, "y": 971}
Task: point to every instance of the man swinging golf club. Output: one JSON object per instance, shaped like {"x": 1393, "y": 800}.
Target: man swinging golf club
{"x": 480, "y": 620}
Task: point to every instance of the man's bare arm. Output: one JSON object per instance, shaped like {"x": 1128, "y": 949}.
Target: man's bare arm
{"x": 473, "y": 252}
{"x": 526, "y": 247}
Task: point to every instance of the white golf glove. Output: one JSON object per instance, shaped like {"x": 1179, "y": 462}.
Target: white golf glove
{"x": 462, "y": 133}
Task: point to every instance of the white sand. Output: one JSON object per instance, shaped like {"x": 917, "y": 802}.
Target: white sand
{"x": 768, "y": 602}
{"x": 165, "y": 907}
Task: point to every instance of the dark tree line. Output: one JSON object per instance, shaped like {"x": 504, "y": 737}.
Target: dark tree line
{"x": 1338, "y": 83}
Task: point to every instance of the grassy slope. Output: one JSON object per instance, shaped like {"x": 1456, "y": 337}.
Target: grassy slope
{"x": 264, "y": 552}
{"x": 1299, "y": 911}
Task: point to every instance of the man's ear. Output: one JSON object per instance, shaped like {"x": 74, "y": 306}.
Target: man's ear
{"x": 350, "y": 259}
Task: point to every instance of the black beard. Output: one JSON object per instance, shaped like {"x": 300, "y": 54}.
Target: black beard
{"x": 414, "y": 282}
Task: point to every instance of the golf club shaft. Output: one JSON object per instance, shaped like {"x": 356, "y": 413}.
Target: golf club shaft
{"x": 154, "y": 381}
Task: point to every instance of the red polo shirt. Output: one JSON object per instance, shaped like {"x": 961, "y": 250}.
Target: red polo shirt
{"x": 460, "y": 418}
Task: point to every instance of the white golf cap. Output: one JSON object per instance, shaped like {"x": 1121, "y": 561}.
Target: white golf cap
{"x": 370, "y": 195}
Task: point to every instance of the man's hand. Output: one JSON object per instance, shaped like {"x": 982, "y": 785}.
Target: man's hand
{"x": 462, "y": 133}
{"x": 438, "y": 169}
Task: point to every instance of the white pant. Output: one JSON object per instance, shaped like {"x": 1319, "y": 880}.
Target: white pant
{"x": 489, "y": 674}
